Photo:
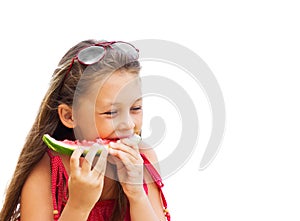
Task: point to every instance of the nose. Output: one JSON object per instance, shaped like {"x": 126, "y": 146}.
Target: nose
{"x": 126, "y": 122}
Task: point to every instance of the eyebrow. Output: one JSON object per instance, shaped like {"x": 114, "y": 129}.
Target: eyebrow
{"x": 117, "y": 103}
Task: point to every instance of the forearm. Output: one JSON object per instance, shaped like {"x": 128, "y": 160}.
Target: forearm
{"x": 141, "y": 209}
{"x": 74, "y": 214}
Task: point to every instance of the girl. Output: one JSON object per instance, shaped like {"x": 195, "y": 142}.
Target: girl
{"x": 95, "y": 93}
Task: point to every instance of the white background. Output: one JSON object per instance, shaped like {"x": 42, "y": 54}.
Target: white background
{"x": 253, "y": 49}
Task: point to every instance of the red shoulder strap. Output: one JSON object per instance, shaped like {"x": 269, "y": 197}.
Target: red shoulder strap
{"x": 158, "y": 180}
{"x": 59, "y": 178}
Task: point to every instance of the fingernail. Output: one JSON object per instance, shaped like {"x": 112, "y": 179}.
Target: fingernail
{"x": 110, "y": 151}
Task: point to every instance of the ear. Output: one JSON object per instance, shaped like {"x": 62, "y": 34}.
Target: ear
{"x": 66, "y": 115}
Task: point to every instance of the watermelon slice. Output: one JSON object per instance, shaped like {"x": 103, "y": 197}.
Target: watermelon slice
{"x": 67, "y": 146}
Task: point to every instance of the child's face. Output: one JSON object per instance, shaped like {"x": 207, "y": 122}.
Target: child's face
{"x": 116, "y": 112}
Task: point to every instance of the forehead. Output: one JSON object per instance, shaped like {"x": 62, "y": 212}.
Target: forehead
{"x": 120, "y": 87}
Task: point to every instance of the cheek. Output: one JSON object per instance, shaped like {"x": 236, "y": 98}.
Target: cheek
{"x": 104, "y": 126}
{"x": 138, "y": 120}
{"x": 107, "y": 126}
{"x": 85, "y": 124}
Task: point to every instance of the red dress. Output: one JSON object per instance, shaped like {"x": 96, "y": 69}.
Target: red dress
{"x": 102, "y": 210}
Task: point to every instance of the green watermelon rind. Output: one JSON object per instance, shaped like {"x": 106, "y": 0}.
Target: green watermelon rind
{"x": 64, "y": 148}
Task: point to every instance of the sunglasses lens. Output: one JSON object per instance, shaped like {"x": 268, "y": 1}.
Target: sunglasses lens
{"x": 127, "y": 49}
{"x": 91, "y": 55}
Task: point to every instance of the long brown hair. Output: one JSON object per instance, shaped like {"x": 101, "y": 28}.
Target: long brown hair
{"x": 63, "y": 86}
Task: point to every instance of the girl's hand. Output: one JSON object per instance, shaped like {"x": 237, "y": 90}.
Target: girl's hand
{"x": 129, "y": 165}
{"x": 86, "y": 182}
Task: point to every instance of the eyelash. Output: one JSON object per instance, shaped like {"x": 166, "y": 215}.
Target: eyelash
{"x": 136, "y": 108}
{"x": 110, "y": 113}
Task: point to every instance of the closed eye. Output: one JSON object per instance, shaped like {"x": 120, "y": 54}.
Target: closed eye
{"x": 136, "y": 108}
{"x": 109, "y": 113}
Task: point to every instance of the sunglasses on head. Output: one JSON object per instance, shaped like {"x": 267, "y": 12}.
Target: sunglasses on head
{"x": 96, "y": 52}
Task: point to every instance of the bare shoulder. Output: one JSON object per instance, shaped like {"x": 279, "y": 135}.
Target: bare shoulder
{"x": 40, "y": 173}
{"x": 36, "y": 193}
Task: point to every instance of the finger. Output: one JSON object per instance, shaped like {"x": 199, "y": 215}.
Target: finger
{"x": 132, "y": 141}
{"x": 130, "y": 144}
{"x": 128, "y": 171}
{"x": 125, "y": 157}
{"x": 75, "y": 159}
{"x": 100, "y": 166}
{"x": 119, "y": 164}
{"x": 89, "y": 158}
{"x": 115, "y": 147}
